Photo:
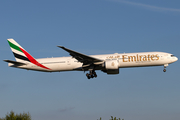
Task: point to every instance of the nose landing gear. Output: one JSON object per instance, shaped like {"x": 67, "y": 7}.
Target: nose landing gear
{"x": 91, "y": 74}
{"x": 164, "y": 70}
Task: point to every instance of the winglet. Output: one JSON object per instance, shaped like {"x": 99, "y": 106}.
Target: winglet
{"x": 61, "y": 46}
{"x": 64, "y": 48}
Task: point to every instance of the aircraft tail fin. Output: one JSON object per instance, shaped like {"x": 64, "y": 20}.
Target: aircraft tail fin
{"x": 20, "y": 54}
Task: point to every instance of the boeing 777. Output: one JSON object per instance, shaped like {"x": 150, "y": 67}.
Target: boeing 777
{"x": 108, "y": 63}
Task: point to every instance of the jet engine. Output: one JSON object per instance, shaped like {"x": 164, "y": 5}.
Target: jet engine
{"x": 111, "y": 67}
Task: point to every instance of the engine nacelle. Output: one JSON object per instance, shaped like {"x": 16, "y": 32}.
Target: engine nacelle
{"x": 111, "y": 67}
{"x": 115, "y": 71}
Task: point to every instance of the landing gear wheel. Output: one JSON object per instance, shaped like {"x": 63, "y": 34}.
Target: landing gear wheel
{"x": 95, "y": 75}
{"x": 91, "y": 74}
{"x": 88, "y": 76}
{"x": 165, "y": 65}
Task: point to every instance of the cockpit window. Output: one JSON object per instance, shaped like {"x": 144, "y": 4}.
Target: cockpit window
{"x": 172, "y": 55}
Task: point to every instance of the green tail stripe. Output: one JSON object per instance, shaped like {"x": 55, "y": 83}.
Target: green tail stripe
{"x": 14, "y": 46}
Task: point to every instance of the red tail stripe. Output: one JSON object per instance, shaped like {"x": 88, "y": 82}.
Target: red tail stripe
{"x": 33, "y": 60}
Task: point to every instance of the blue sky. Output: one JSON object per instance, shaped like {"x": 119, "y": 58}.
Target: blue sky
{"x": 91, "y": 27}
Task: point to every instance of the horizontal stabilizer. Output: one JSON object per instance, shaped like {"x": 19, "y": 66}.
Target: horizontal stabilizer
{"x": 15, "y": 62}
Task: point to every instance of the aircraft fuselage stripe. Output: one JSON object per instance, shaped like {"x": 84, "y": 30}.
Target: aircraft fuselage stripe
{"x": 32, "y": 60}
{"x": 14, "y": 46}
{"x": 28, "y": 57}
{"x": 21, "y": 57}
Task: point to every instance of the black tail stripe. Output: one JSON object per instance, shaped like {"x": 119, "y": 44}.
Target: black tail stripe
{"x": 20, "y": 57}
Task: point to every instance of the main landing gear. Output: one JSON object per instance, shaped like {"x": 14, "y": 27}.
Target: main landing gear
{"x": 91, "y": 74}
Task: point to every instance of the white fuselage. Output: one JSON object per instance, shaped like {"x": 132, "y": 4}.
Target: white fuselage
{"x": 123, "y": 60}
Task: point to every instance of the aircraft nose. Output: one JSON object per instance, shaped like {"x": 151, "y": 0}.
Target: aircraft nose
{"x": 176, "y": 59}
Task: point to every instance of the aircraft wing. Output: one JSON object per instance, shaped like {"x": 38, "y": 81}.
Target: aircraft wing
{"x": 85, "y": 59}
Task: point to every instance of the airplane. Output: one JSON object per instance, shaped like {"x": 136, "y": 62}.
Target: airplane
{"x": 108, "y": 63}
